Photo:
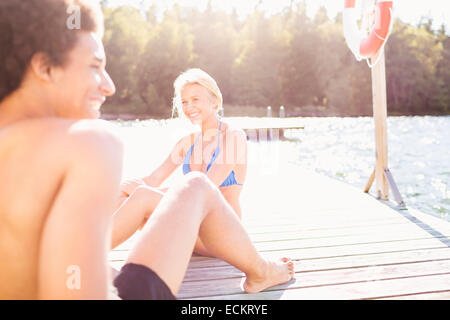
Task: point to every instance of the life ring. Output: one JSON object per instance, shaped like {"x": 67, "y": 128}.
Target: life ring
{"x": 365, "y": 47}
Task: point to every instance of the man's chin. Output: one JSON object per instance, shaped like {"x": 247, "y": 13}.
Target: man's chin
{"x": 93, "y": 113}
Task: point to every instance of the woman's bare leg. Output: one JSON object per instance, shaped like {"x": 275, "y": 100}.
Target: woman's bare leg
{"x": 201, "y": 249}
{"x": 196, "y": 207}
{"x": 133, "y": 212}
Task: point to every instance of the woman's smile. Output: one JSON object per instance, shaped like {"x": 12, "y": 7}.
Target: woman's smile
{"x": 193, "y": 114}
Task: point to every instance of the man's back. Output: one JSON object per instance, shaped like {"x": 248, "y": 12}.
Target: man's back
{"x": 39, "y": 159}
{"x": 59, "y": 174}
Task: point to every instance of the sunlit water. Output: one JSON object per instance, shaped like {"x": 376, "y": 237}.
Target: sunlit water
{"x": 341, "y": 148}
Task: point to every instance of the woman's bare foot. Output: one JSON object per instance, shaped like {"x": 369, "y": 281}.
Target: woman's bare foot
{"x": 275, "y": 272}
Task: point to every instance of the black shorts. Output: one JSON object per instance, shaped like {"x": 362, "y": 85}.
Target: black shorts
{"x": 137, "y": 282}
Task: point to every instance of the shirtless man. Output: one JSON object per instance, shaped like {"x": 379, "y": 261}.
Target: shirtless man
{"x": 54, "y": 213}
{"x": 61, "y": 168}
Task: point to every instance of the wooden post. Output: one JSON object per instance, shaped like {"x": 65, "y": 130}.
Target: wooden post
{"x": 381, "y": 174}
{"x": 281, "y": 114}
{"x": 380, "y": 119}
{"x": 269, "y": 115}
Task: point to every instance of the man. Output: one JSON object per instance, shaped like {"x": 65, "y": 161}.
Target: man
{"x": 60, "y": 176}
{"x": 54, "y": 213}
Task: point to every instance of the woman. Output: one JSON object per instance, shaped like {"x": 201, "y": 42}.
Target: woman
{"x": 219, "y": 150}
{"x": 193, "y": 214}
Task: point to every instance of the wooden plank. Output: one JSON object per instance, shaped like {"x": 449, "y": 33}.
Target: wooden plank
{"x": 441, "y": 295}
{"x": 316, "y": 224}
{"x": 301, "y": 227}
{"x": 306, "y": 265}
{"x": 273, "y": 126}
{"x": 398, "y": 228}
{"x": 322, "y": 278}
{"x": 300, "y": 249}
{"x": 426, "y": 220}
{"x": 360, "y": 290}
{"x": 323, "y": 237}
{"x": 290, "y": 232}
{"x": 401, "y": 232}
{"x": 336, "y": 227}
{"x": 338, "y": 241}
{"x": 333, "y": 251}
{"x": 340, "y": 246}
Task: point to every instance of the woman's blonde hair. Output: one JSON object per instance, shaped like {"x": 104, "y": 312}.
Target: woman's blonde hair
{"x": 200, "y": 77}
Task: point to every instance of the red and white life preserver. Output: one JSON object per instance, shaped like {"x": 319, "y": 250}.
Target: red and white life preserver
{"x": 364, "y": 46}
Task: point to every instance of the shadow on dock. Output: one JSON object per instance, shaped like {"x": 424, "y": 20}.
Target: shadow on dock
{"x": 427, "y": 228}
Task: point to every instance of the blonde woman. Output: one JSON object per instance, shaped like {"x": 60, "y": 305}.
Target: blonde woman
{"x": 219, "y": 150}
{"x": 200, "y": 213}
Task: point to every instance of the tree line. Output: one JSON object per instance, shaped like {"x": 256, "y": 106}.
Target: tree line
{"x": 284, "y": 59}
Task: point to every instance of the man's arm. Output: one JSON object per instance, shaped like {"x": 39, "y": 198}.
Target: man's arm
{"x": 76, "y": 236}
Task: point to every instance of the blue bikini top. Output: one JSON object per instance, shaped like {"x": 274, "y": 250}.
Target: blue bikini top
{"x": 229, "y": 181}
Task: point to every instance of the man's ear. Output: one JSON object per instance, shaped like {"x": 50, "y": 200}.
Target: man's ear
{"x": 41, "y": 67}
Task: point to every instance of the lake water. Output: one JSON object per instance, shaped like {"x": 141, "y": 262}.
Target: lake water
{"x": 341, "y": 148}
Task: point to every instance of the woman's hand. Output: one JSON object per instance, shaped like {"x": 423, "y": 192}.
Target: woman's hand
{"x": 128, "y": 186}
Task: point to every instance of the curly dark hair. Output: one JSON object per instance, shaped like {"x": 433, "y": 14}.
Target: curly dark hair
{"x": 31, "y": 26}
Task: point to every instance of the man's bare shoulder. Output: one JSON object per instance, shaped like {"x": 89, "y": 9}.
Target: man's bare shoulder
{"x": 63, "y": 137}
{"x": 47, "y": 149}
{"x": 36, "y": 156}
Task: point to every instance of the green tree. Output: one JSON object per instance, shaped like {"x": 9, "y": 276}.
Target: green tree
{"x": 168, "y": 52}
{"x": 441, "y": 94}
{"x": 345, "y": 82}
{"x": 214, "y": 47}
{"x": 283, "y": 59}
{"x": 124, "y": 40}
{"x": 256, "y": 67}
{"x": 412, "y": 57}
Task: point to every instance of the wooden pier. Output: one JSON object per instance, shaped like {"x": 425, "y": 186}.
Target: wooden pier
{"x": 268, "y": 128}
{"x": 345, "y": 243}
{"x": 274, "y": 132}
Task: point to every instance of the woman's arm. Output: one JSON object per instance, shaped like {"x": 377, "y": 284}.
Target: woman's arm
{"x": 168, "y": 166}
{"x": 161, "y": 173}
